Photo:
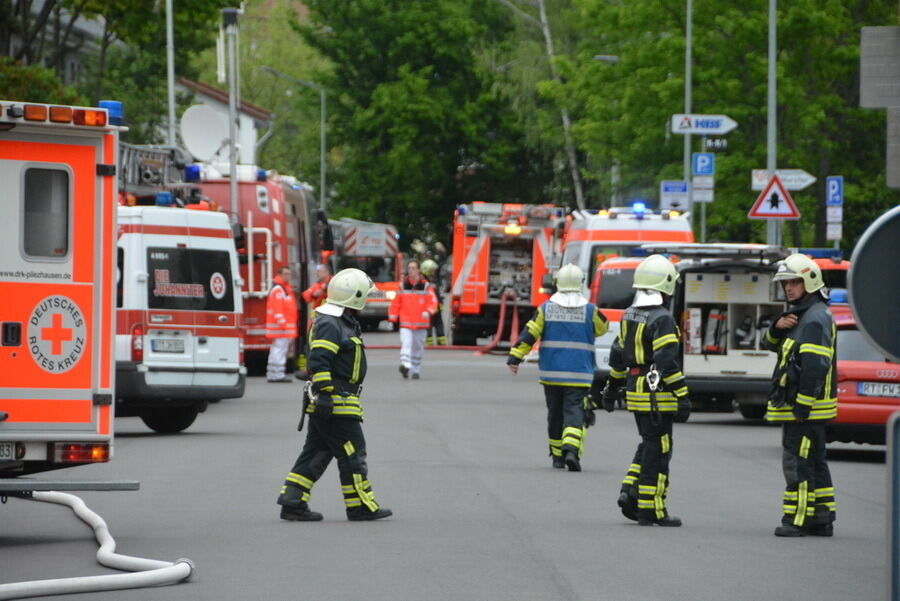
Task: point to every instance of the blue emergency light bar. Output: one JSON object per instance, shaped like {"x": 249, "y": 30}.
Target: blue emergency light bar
{"x": 838, "y": 295}
{"x": 114, "y": 108}
{"x": 823, "y": 253}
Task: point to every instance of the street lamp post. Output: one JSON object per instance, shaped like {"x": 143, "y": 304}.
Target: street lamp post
{"x": 323, "y": 118}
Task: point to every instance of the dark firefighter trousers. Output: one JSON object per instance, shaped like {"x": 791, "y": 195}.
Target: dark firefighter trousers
{"x": 809, "y": 493}
{"x": 341, "y": 438}
{"x": 647, "y": 480}
{"x": 565, "y": 418}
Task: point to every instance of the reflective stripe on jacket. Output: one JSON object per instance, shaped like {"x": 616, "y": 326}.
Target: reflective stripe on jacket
{"x": 414, "y": 305}
{"x": 805, "y": 373}
{"x": 336, "y": 352}
{"x": 567, "y": 343}
{"x": 281, "y": 311}
{"x": 648, "y": 336}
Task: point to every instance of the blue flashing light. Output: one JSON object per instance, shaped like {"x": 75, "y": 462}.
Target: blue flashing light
{"x": 838, "y": 295}
{"x": 164, "y": 199}
{"x": 639, "y": 208}
{"x": 261, "y": 175}
{"x": 823, "y": 253}
{"x": 462, "y": 210}
{"x": 192, "y": 173}
{"x": 114, "y": 108}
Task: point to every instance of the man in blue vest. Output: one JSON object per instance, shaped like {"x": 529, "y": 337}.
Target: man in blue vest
{"x": 566, "y": 325}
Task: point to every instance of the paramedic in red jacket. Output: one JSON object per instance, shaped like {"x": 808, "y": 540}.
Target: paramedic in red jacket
{"x": 315, "y": 294}
{"x": 413, "y": 307}
{"x": 281, "y": 324}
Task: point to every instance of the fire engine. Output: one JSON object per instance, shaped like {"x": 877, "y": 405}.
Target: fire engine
{"x": 592, "y": 236}
{"x": 57, "y": 269}
{"x": 501, "y": 253}
{"x": 371, "y": 247}
{"x": 282, "y": 227}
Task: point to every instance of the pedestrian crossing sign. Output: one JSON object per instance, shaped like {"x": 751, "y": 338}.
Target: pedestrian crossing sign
{"x": 774, "y": 202}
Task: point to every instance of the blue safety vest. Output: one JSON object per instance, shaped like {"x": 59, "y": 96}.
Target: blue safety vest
{"x": 567, "y": 345}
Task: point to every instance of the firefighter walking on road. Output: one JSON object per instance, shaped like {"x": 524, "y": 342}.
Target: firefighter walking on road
{"x": 432, "y": 274}
{"x": 281, "y": 324}
{"x": 644, "y": 362}
{"x": 566, "y": 325}
{"x": 413, "y": 307}
{"x": 803, "y": 397}
{"x": 337, "y": 364}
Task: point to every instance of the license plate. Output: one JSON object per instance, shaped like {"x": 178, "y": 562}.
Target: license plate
{"x": 7, "y": 451}
{"x": 891, "y": 389}
{"x": 167, "y": 345}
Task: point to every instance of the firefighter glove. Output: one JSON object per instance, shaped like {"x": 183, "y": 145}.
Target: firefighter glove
{"x": 324, "y": 405}
{"x": 611, "y": 396}
{"x": 801, "y": 411}
{"x": 684, "y": 409}
{"x": 589, "y": 418}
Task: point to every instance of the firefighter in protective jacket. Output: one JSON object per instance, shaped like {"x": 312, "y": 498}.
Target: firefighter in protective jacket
{"x": 804, "y": 396}
{"x": 337, "y": 364}
{"x": 566, "y": 326}
{"x": 644, "y": 361}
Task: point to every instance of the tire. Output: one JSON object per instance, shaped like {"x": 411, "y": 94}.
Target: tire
{"x": 168, "y": 420}
{"x": 752, "y": 411}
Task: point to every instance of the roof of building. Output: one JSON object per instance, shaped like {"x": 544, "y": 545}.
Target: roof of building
{"x": 222, "y": 96}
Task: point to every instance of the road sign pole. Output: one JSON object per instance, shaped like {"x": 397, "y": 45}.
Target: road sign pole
{"x": 703, "y": 207}
{"x": 688, "y": 50}
{"x": 773, "y": 228}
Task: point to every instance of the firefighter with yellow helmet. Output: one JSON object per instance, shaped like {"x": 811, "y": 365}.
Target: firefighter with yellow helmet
{"x": 566, "y": 325}
{"x": 432, "y": 273}
{"x": 337, "y": 367}
{"x": 644, "y": 362}
{"x": 804, "y": 396}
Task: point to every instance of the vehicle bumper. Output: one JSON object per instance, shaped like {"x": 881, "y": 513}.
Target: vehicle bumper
{"x": 375, "y": 309}
{"x": 136, "y": 383}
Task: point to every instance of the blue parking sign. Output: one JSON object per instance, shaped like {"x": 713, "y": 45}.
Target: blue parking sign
{"x": 704, "y": 163}
{"x": 834, "y": 190}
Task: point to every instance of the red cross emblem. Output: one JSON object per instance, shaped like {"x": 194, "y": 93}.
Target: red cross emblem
{"x": 56, "y": 334}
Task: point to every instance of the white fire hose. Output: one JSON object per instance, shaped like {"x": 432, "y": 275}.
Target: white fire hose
{"x": 146, "y": 572}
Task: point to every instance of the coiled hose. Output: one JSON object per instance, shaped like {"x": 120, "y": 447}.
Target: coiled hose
{"x": 145, "y": 572}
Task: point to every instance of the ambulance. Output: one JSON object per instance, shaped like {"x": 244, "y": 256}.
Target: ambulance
{"x": 592, "y": 236}
{"x": 178, "y": 314}
{"x": 57, "y": 269}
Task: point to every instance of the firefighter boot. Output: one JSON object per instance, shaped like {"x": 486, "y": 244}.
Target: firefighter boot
{"x": 789, "y": 531}
{"x": 301, "y": 514}
{"x": 669, "y": 521}
{"x": 363, "y": 514}
{"x": 572, "y": 462}
{"x": 559, "y": 462}
{"x": 628, "y": 505}
{"x": 821, "y": 523}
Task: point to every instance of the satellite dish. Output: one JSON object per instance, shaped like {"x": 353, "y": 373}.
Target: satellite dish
{"x": 874, "y": 283}
{"x": 204, "y": 131}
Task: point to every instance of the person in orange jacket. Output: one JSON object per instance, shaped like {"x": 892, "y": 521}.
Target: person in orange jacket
{"x": 281, "y": 324}
{"x": 315, "y": 294}
{"x": 413, "y": 307}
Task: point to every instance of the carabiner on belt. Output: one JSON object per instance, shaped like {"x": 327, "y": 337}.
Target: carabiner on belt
{"x": 653, "y": 378}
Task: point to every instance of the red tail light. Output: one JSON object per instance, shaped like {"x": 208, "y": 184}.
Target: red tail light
{"x": 79, "y": 452}
{"x": 137, "y": 343}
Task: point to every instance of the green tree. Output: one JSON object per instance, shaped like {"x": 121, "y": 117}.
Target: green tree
{"x": 34, "y": 84}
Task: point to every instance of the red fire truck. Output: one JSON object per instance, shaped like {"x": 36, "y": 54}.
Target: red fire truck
{"x": 501, "y": 255}
{"x": 282, "y": 226}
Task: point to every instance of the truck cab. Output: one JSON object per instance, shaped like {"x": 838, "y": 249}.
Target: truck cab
{"x": 723, "y": 302}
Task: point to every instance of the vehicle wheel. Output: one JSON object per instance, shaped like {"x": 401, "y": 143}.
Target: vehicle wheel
{"x": 752, "y": 411}
{"x": 169, "y": 419}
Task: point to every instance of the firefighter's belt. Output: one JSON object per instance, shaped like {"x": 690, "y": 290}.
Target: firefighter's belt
{"x": 344, "y": 388}
{"x": 640, "y": 370}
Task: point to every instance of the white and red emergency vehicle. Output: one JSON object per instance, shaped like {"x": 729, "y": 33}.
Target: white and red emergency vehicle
{"x": 592, "y": 236}
{"x": 179, "y": 304}
{"x": 57, "y": 228}
{"x": 373, "y": 248}
{"x": 282, "y": 226}
{"x": 501, "y": 255}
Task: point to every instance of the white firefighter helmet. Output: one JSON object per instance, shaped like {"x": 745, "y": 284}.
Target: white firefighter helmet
{"x": 569, "y": 278}
{"x": 350, "y": 288}
{"x": 656, "y": 273}
{"x": 800, "y": 267}
{"x": 428, "y": 267}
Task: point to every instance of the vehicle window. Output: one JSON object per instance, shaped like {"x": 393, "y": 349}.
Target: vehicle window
{"x": 602, "y": 252}
{"x": 46, "y": 211}
{"x": 189, "y": 279}
{"x": 120, "y": 280}
{"x": 834, "y": 278}
{"x": 380, "y": 269}
{"x": 853, "y": 346}
{"x": 615, "y": 289}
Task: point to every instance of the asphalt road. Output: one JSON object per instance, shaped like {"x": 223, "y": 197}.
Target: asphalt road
{"x": 461, "y": 458}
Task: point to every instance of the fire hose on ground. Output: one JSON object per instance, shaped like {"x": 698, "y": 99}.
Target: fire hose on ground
{"x": 514, "y": 326}
{"x": 144, "y": 572}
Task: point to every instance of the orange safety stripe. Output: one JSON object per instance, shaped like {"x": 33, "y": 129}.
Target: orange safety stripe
{"x": 49, "y": 411}
{"x": 108, "y": 250}
{"x": 103, "y": 425}
{"x": 642, "y": 235}
{"x": 173, "y": 230}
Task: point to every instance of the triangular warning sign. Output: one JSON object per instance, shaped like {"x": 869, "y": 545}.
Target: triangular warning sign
{"x": 774, "y": 203}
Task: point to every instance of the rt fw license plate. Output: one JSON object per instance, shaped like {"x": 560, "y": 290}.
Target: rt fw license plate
{"x": 7, "y": 451}
{"x": 887, "y": 389}
{"x": 167, "y": 345}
